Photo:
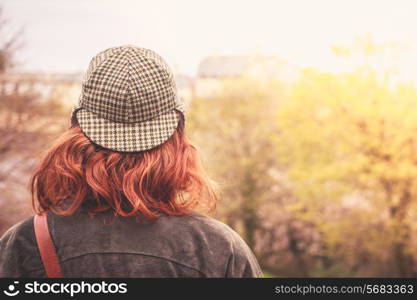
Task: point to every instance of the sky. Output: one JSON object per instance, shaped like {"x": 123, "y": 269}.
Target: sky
{"x": 62, "y": 36}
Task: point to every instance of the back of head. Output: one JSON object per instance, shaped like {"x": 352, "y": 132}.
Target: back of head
{"x": 126, "y": 150}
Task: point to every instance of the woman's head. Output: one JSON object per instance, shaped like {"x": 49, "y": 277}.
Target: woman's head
{"x": 126, "y": 150}
{"x": 129, "y": 100}
{"x": 167, "y": 179}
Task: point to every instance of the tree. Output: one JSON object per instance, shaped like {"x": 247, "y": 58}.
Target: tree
{"x": 28, "y": 122}
{"x": 348, "y": 143}
{"x": 9, "y": 43}
{"x": 234, "y": 131}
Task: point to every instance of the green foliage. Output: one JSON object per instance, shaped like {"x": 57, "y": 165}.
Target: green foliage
{"x": 321, "y": 181}
{"x": 233, "y": 130}
{"x": 348, "y": 142}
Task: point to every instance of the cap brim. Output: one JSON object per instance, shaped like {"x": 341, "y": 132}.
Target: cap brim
{"x": 128, "y": 137}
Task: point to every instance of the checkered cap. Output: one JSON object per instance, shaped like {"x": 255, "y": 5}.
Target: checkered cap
{"x": 129, "y": 100}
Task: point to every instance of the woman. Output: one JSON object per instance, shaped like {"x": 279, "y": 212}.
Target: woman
{"x": 120, "y": 189}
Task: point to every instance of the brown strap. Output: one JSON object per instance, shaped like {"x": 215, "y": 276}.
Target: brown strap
{"x": 46, "y": 247}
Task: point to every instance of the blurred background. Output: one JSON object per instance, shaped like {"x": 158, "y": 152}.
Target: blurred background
{"x": 304, "y": 111}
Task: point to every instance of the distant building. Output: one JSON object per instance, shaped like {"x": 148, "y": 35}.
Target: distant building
{"x": 45, "y": 85}
{"x": 214, "y": 69}
{"x": 67, "y": 87}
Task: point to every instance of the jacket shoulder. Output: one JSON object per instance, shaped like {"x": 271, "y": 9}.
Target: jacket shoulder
{"x": 18, "y": 250}
{"x": 21, "y": 228}
{"x": 241, "y": 260}
{"x": 217, "y": 228}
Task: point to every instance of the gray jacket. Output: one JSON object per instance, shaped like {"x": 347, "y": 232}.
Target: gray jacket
{"x": 102, "y": 246}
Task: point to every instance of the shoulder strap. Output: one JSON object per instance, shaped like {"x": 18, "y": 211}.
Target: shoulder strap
{"x": 46, "y": 247}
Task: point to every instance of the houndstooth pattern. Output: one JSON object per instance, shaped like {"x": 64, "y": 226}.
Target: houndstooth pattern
{"x": 100, "y": 58}
{"x": 129, "y": 100}
{"x": 126, "y": 137}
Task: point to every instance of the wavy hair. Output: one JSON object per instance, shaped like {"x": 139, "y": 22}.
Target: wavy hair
{"x": 168, "y": 179}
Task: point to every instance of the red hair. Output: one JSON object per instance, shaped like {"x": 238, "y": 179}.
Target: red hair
{"x": 165, "y": 180}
